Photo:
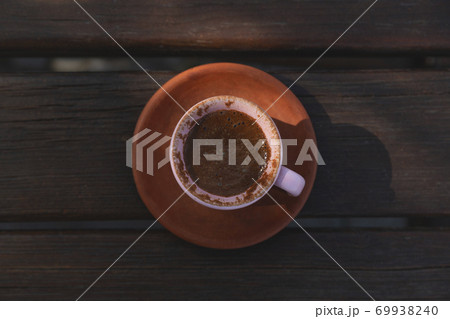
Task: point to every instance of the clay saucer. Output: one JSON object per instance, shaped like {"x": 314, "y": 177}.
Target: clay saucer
{"x": 192, "y": 221}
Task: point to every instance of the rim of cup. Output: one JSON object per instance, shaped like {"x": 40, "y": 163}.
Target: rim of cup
{"x": 181, "y": 134}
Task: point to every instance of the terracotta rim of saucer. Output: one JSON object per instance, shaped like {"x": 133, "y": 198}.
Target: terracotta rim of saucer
{"x": 226, "y": 229}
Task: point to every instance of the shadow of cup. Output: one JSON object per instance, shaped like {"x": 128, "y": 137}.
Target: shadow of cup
{"x": 357, "y": 173}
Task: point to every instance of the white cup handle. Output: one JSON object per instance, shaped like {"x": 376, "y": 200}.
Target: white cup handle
{"x": 290, "y": 181}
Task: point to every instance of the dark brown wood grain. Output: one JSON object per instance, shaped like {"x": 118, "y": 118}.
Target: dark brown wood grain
{"x": 37, "y": 28}
{"x": 384, "y": 136}
{"x": 390, "y": 265}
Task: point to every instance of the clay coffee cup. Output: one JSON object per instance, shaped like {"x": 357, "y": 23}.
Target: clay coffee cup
{"x": 274, "y": 173}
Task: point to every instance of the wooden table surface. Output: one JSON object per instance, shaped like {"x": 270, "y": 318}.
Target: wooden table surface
{"x": 383, "y": 132}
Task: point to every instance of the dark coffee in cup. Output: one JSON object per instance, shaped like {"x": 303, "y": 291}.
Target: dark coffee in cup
{"x": 234, "y": 173}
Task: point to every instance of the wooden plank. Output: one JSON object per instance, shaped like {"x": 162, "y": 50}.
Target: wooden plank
{"x": 403, "y": 265}
{"x": 383, "y": 135}
{"x": 36, "y": 28}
